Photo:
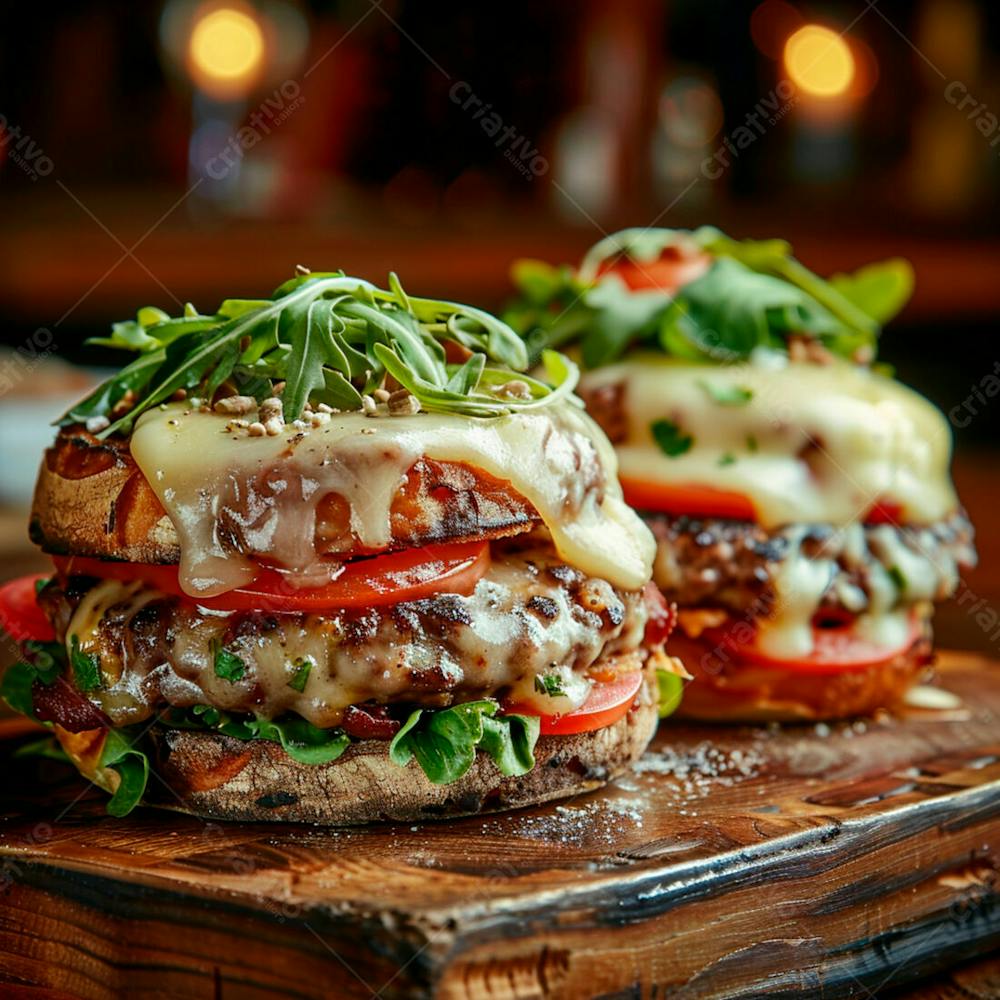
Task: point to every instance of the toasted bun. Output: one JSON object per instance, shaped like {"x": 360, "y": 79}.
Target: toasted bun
{"x": 92, "y": 500}
{"x": 218, "y": 777}
{"x": 750, "y": 693}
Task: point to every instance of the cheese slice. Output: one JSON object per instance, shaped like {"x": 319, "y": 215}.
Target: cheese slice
{"x": 806, "y": 444}
{"x": 812, "y": 443}
{"x": 212, "y": 481}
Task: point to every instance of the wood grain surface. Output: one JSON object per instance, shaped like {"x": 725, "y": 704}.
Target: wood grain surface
{"x": 737, "y": 862}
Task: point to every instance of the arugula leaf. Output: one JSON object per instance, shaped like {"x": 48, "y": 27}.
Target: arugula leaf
{"x": 44, "y": 662}
{"x": 727, "y": 395}
{"x": 228, "y": 665}
{"x": 619, "y": 317}
{"x": 444, "y": 742}
{"x": 754, "y": 294}
{"x": 329, "y": 337}
{"x": 672, "y": 441}
{"x": 132, "y": 766}
{"x": 879, "y": 290}
{"x": 86, "y": 666}
{"x": 671, "y": 688}
{"x": 730, "y": 310}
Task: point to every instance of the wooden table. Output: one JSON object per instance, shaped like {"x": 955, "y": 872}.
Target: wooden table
{"x": 798, "y": 861}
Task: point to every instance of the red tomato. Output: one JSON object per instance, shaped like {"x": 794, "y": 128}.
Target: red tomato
{"x": 835, "y": 650}
{"x": 708, "y": 501}
{"x": 676, "y": 267}
{"x": 373, "y": 582}
{"x": 884, "y": 512}
{"x": 20, "y": 616}
{"x": 607, "y": 703}
{"x": 676, "y": 498}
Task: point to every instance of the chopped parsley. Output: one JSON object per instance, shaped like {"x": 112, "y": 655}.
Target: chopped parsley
{"x": 86, "y": 666}
{"x": 751, "y": 443}
{"x": 671, "y": 440}
{"x": 550, "y": 684}
{"x": 897, "y": 577}
{"x": 302, "y": 667}
{"x": 228, "y": 665}
{"x": 727, "y": 459}
{"x": 727, "y": 395}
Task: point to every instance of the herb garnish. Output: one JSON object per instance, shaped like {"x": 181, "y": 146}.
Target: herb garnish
{"x": 331, "y": 339}
{"x": 228, "y": 665}
{"x": 302, "y": 667}
{"x": 86, "y": 666}
{"x": 550, "y": 684}
{"x": 754, "y": 294}
{"x": 727, "y": 395}
{"x": 671, "y": 439}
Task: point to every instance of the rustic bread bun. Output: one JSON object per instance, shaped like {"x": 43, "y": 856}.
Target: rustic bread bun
{"x": 740, "y": 692}
{"x": 92, "y": 500}
{"x": 218, "y": 777}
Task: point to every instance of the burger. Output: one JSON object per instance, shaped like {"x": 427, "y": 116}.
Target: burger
{"x": 332, "y": 557}
{"x": 800, "y": 496}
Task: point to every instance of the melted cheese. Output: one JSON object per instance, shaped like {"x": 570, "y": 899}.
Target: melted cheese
{"x": 815, "y": 443}
{"x": 269, "y": 487}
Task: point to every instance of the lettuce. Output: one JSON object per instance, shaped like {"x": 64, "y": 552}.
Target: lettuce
{"x": 445, "y": 742}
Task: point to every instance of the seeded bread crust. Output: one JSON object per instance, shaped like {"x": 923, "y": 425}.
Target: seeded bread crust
{"x": 218, "y": 777}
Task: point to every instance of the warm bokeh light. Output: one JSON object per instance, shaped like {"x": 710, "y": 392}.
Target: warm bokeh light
{"x": 819, "y": 62}
{"x": 226, "y": 51}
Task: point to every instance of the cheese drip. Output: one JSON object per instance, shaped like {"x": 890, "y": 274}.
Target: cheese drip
{"x": 270, "y": 487}
{"x": 813, "y": 443}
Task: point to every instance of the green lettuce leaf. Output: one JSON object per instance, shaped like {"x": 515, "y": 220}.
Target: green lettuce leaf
{"x": 122, "y": 755}
{"x": 444, "y": 742}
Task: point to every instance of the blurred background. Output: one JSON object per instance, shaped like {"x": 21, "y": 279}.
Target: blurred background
{"x": 160, "y": 153}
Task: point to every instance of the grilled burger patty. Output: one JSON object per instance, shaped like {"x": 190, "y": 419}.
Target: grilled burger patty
{"x": 529, "y": 615}
{"x": 711, "y": 562}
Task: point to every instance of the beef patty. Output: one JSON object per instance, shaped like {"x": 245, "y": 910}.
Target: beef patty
{"x": 530, "y": 614}
{"x": 711, "y": 562}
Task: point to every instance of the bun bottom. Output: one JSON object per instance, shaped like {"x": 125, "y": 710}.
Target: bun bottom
{"x": 744, "y": 692}
{"x": 214, "y": 776}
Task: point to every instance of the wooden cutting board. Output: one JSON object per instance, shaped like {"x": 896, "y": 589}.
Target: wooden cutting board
{"x": 738, "y": 862}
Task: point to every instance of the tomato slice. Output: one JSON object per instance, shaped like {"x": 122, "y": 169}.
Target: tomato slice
{"x": 884, "y": 512}
{"x": 606, "y": 704}
{"x": 686, "y": 498}
{"x": 709, "y": 501}
{"x": 676, "y": 267}
{"x": 393, "y": 578}
{"x": 835, "y": 649}
{"x": 20, "y": 616}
